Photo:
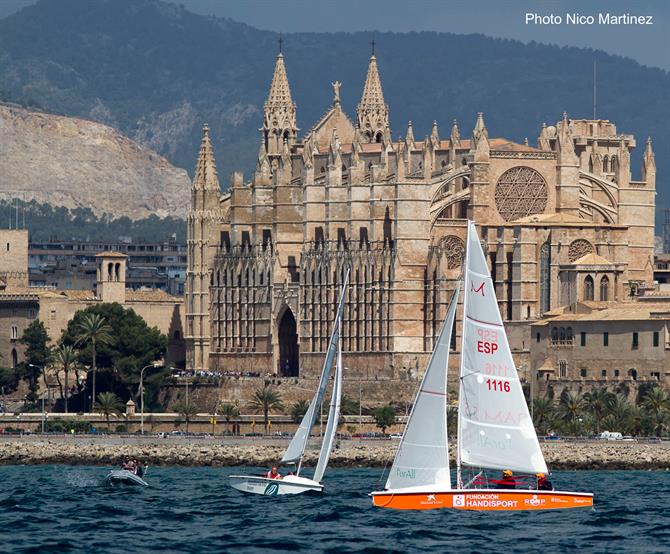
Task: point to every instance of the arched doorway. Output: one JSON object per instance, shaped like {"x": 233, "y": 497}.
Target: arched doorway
{"x": 288, "y": 345}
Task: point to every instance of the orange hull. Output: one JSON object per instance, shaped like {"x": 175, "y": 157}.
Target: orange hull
{"x": 483, "y": 500}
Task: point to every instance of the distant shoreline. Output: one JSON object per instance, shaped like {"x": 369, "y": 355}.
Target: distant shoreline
{"x": 227, "y": 452}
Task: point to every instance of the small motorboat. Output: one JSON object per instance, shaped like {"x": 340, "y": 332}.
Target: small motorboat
{"x": 125, "y": 477}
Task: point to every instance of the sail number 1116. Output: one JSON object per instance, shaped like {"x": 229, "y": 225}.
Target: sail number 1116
{"x": 498, "y": 385}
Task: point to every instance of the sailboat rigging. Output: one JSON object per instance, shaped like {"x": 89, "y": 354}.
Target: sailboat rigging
{"x": 495, "y": 430}
{"x": 294, "y": 453}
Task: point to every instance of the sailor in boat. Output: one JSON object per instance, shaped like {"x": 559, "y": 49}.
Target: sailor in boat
{"x": 273, "y": 474}
{"x": 507, "y": 481}
{"x": 129, "y": 465}
{"x": 543, "y": 484}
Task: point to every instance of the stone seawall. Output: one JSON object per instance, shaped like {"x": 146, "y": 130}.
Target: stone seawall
{"x": 349, "y": 454}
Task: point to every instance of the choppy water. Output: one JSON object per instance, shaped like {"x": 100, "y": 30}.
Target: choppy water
{"x": 69, "y": 509}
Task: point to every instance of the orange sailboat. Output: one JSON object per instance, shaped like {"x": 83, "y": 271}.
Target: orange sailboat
{"x": 495, "y": 430}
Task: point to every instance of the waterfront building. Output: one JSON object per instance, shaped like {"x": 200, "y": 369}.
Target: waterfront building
{"x": 71, "y": 265}
{"x": 593, "y": 344}
{"x": 561, "y": 222}
{"x": 20, "y": 304}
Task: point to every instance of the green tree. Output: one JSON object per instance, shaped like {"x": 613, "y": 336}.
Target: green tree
{"x": 543, "y": 415}
{"x": 93, "y": 328}
{"x": 384, "y": 417}
{"x": 108, "y": 404}
{"x": 571, "y": 410}
{"x": 229, "y": 411}
{"x": 186, "y": 410}
{"x": 266, "y": 400}
{"x": 657, "y": 404}
{"x": 452, "y": 420}
{"x": 598, "y": 402}
{"x": 622, "y": 417}
{"x": 38, "y": 353}
{"x": 298, "y": 410}
{"x": 134, "y": 346}
{"x": 65, "y": 356}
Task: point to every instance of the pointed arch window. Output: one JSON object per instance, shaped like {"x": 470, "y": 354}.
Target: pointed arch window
{"x": 588, "y": 288}
{"x": 545, "y": 278}
{"x": 604, "y": 288}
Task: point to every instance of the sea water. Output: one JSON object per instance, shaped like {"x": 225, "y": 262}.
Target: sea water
{"x": 70, "y": 509}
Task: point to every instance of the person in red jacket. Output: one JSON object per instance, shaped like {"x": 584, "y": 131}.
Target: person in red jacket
{"x": 543, "y": 484}
{"x": 507, "y": 481}
{"x": 273, "y": 474}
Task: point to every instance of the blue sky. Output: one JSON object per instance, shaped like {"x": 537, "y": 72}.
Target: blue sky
{"x": 648, "y": 44}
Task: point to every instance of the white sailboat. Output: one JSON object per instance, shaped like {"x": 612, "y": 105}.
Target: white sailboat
{"x": 295, "y": 483}
{"x": 495, "y": 430}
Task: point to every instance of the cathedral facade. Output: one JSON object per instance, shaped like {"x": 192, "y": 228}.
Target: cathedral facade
{"x": 561, "y": 222}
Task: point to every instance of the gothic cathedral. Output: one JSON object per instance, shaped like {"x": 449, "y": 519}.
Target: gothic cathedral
{"x": 561, "y": 222}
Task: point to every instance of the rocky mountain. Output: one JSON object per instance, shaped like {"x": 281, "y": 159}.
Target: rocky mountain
{"x": 75, "y": 163}
{"x": 157, "y": 72}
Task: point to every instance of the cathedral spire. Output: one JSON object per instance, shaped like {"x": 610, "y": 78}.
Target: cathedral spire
{"x": 279, "y": 120}
{"x": 649, "y": 164}
{"x": 543, "y": 140}
{"x": 480, "y": 128}
{"x": 649, "y": 158}
{"x": 206, "y": 177}
{"x": 409, "y": 136}
{"x": 434, "y": 134}
{"x": 372, "y": 112}
{"x": 455, "y": 134}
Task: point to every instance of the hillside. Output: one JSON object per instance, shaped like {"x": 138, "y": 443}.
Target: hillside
{"x": 156, "y": 72}
{"x": 76, "y": 163}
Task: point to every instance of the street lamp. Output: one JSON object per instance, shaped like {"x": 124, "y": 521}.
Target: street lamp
{"x": 154, "y": 364}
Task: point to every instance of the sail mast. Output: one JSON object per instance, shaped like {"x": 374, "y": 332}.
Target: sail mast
{"x": 459, "y": 478}
{"x": 422, "y": 457}
{"x": 296, "y": 448}
{"x": 333, "y": 413}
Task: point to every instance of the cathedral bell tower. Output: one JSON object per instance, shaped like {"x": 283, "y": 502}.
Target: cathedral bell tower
{"x": 372, "y": 112}
{"x": 202, "y": 227}
{"x": 279, "y": 120}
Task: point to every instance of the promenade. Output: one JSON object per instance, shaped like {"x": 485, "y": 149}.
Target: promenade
{"x": 261, "y": 451}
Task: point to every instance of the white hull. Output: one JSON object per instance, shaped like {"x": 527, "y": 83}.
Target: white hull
{"x": 291, "y": 484}
{"x": 125, "y": 477}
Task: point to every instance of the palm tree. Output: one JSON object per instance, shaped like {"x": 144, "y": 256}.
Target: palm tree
{"x": 187, "y": 410}
{"x": 108, "y": 403}
{"x": 94, "y": 328}
{"x": 66, "y": 357}
{"x": 543, "y": 410}
{"x": 264, "y": 401}
{"x": 623, "y": 416}
{"x": 570, "y": 408}
{"x": 598, "y": 402}
{"x": 452, "y": 420}
{"x": 298, "y": 410}
{"x": 229, "y": 411}
{"x": 657, "y": 404}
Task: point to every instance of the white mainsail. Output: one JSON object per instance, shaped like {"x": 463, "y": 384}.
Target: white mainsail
{"x": 333, "y": 416}
{"x": 423, "y": 454}
{"x": 495, "y": 428}
{"x": 296, "y": 448}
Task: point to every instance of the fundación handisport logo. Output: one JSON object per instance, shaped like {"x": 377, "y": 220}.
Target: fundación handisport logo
{"x": 459, "y": 501}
